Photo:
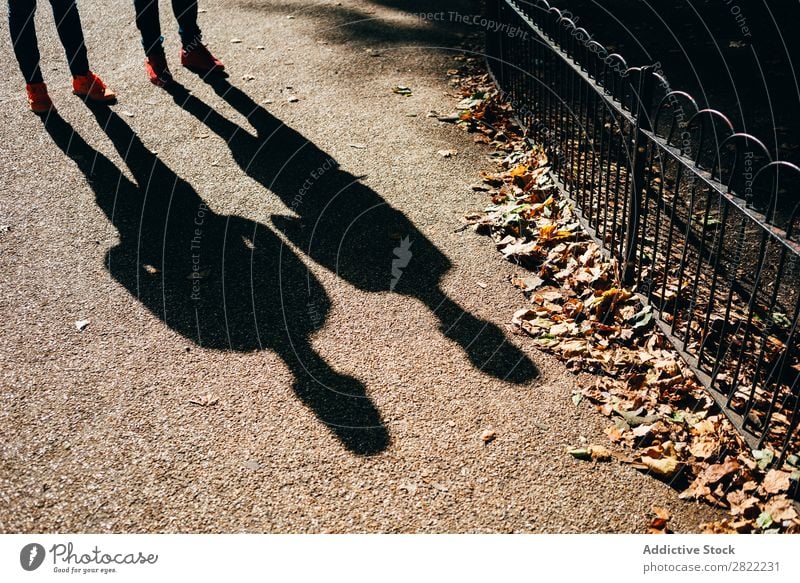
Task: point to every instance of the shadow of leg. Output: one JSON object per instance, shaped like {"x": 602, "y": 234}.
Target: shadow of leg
{"x": 484, "y": 343}
{"x": 338, "y": 400}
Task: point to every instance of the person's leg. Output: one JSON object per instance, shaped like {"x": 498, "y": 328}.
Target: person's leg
{"x": 68, "y": 25}
{"x": 149, "y": 25}
{"x": 84, "y": 83}
{"x": 26, "y": 49}
{"x": 194, "y": 54}
{"x": 186, "y": 15}
{"x": 23, "y": 38}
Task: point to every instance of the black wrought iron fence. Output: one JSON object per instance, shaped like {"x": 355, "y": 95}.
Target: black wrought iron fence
{"x": 703, "y": 220}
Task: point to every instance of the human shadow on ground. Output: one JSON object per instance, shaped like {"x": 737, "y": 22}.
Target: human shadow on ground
{"x": 224, "y": 282}
{"x": 347, "y": 227}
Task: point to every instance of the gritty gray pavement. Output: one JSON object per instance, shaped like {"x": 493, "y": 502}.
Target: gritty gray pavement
{"x": 133, "y": 424}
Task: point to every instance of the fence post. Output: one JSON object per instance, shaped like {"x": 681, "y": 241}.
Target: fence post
{"x": 644, "y": 102}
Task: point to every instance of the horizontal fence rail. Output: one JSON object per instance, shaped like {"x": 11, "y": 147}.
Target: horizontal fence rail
{"x": 704, "y": 221}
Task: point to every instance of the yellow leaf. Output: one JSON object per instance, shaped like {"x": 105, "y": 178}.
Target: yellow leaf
{"x": 519, "y": 171}
{"x": 664, "y": 467}
{"x": 546, "y": 232}
{"x": 610, "y": 298}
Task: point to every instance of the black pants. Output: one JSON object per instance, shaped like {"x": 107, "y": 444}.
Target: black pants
{"x": 23, "y": 36}
{"x": 149, "y": 25}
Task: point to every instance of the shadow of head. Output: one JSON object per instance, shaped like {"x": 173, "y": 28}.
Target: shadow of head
{"x": 224, "y": 282}
{"x": 344, "y": 225}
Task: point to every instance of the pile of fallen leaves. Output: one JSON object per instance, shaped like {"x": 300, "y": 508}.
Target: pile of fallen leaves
{"x": 662, "y": 421}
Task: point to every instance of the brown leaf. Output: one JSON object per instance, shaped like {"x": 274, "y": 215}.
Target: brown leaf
{"x": 563, "y": 329}
{"x": 573, "y": 307}
{"x": 697, "y": 489}
{"x": 526, "y": 283}
{"x": 703, "y": 427}
{"x": 668, "y": 367}
{"x": 549, "y": 294}
{"x": 717, "y": 472}
{"x": 780, "y": 508}
{"x": 572, "y": 348}
{"x": 659, "y": 523}
{"x": 492, "y": 178}
{"x": 661, "y": 513}
{"x": 523, "y": 314}
{"x": 749, "y": 486}
{"x": 776, "y": 481}
{"x": 727, "y": 527}
{"x": 614, "y": 433}
{"x": 599, "y": 453}
{"x": 742, "y": 504}
{"x": 704, "y": 448}
{"x": 521, "y": 249}
{"x": 206, "y": 400}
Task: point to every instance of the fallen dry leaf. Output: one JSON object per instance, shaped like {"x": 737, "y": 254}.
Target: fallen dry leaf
{"x": 780, "y": 508}
{"x": 704, "y": 448}
{"x": 742, "y": 504}
{"x": 599, "y": 453}
{"x": 776, "y": 481}
{"x": 717, "y": 472}
{"x": 488, "y": 435}
{"x": 206, "y": 400}
{"x": 658, "y": 525}
{"x": 664, "y": 467}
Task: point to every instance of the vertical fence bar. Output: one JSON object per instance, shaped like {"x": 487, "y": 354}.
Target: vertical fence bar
{"x": 644, "y": 103}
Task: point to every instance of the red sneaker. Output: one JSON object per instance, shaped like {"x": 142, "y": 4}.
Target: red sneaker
{"x": 38, "y": 98}
{"x": 91, "y": 87}
{"x": 157, "y": 70}
{"x": 200, "y": 59}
